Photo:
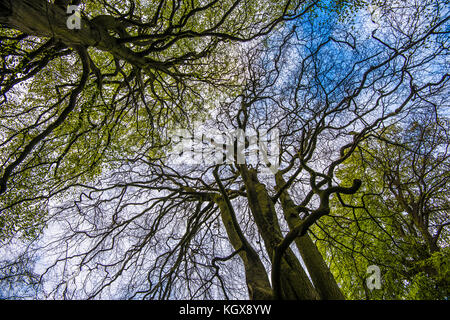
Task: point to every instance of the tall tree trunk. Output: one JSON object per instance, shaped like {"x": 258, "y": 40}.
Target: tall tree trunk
{"x": 322, "y": 278}
{"x": 295, "y": 283}
{"x": 256, "y": 275}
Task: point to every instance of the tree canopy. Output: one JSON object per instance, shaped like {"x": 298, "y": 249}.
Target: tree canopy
{"x": 224, "y": 149}
{"x": 398, "y": 219}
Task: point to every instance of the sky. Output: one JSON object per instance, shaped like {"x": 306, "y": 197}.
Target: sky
{"x": 365, "y": 23}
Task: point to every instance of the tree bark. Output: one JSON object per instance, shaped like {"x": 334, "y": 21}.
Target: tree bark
{"x": 255, "y": 274}
{"x": 44, "y": 19}
{"x": 322, "y": 278}
{"x": 295, "y": 283}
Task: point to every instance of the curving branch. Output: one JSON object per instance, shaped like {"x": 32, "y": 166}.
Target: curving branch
{"x": 302, "y": 228}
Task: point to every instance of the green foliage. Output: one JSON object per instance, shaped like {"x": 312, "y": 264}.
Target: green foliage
{"x": 344, "y": 9}
{"x": 123, "y": 111}
{"x": 426, "y": 287}
{"x": 373, "y": 227}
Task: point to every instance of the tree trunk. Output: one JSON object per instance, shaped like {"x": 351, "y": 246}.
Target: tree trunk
{"x": 295, "y": 283}
{"x": 256, "y": 275}
{"x": 322, "y": 278}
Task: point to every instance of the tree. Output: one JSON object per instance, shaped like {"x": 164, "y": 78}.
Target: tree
{"x": 231, "y": 226}
{"x": 399, "y": 219}
{"x": 72, "y": 99}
